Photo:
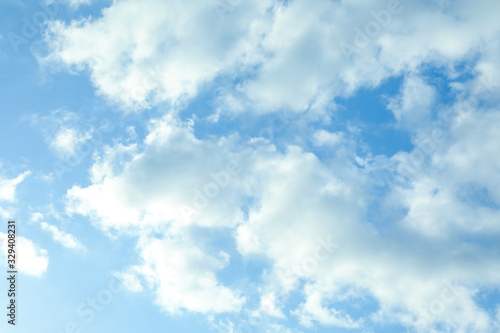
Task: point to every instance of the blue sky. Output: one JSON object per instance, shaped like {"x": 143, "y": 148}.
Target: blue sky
{"x": 252, "y": 166}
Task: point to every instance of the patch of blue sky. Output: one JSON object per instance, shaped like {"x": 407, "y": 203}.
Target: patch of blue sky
{"x": 488, "y": 299}
{"x": 367, "y": 110}
{"x": 477, "y": 195}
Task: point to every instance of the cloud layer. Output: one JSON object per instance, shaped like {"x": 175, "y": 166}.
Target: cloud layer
{"x": 406, "y": 237}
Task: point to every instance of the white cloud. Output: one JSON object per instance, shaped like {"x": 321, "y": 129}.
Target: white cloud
{"x": 314, "y": 310}
{"x": 183, "y": 174}
{"x": 188, "y": 182}
{"x": 66, "y": 141}
{"x": 5, "y": 214}
{"x": 66, "y": 134}
{"x": 129, "y": 279}
{"x": 31, "y": 259}
{"x": 35, "y": 217}
{"x": 65, "y": 239}
{"x": 77, "y": 3}
{"x": 269, "y": 306}
{"x": 184, "y": 278}
{"x": 72, "y": 3}
{"x": 282, "y": 204}
{"x": 8, "y": 186}
{"x": 133, "y": 63}
{"x": 414, "y": 105}
{"x": 325, "y": 138}
{"x": 308, "y": 218}
{"x": 448, "y": 183}
{"x": 289, "y": 54}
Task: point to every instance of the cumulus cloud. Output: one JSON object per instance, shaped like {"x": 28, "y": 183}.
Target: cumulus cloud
{"x": 183, "y": 276}
{"x": 201, "y": 193}
{"x": 133, "y": 63}
{"x": 453, "y": 186}
{"x": 176, "y": 181}
{"x": 310, "y": 219}
{"x": 322, "y": 225}
{"x": 32, "y": 259}
{"x": 295, "y": 56}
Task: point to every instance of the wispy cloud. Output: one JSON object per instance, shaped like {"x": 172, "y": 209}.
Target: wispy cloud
{"x": 66, "y": 140}
{"x": 8, "y": 186}
{"x": 65, "y": 239}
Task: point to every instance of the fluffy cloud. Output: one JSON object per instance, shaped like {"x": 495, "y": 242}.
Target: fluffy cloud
{"x": 324, "y": 229}
{"x": 449, "y": 184}
{"x": 203, "y": 183}
{"x": 142, "y": 187}
{"x": 310, "y": 219}
{"x": 154, "y": 50}
{"x": 32, "y": 260}
{"x": 294, "y": 55}
{"x": 175, "y": 183}
{"x": 183, "y": 276}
